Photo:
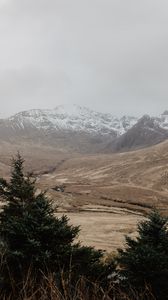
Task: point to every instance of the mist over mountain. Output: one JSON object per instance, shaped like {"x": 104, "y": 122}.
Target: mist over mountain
{"x": 77, "y": 128}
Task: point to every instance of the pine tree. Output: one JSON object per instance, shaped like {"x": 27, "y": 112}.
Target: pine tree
{"x": 33, "y": 235}
{"x": 144, "y": 262}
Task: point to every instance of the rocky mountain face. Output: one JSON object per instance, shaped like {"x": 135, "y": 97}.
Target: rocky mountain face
{"x": 74, "y": 119}
{"x": 80, "y": 129}
{"x": 146, "y": 132}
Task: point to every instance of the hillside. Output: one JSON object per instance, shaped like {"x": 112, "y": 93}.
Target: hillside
{"x": 136, "y": 180}
{"x": 146, "y": 132}
{"x": 109, "y": 194}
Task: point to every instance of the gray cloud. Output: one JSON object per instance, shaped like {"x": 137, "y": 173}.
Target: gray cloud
{"x": 111, "y": 55}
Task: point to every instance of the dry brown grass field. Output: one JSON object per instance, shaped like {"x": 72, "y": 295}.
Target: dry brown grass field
{"x": 106, "y": 194}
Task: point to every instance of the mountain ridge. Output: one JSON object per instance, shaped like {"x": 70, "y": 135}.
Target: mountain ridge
{"x": 77, "y": 119}
{"x": 81, "y": 129}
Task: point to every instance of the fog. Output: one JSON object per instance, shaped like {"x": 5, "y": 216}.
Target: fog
{"x": 109, "y": 55}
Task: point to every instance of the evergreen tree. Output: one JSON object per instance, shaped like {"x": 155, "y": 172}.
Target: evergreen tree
{"x": 144, "y": 262}
{"x": 33, "y": 235}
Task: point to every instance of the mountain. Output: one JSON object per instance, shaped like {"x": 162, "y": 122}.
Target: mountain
{"x": 71, "y": 118}
{"x": 68, "y": 128}
{"x": 146, "y": 132}
{"x": 72, "y": 128}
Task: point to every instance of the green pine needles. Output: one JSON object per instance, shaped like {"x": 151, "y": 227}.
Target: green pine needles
{"x": 33, "y": 239}
{"x": 144, "y": 262}
{"x": 33, "y": 236}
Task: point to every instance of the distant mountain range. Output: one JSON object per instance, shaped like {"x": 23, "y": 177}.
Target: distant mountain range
{"x": 76, "y": 128}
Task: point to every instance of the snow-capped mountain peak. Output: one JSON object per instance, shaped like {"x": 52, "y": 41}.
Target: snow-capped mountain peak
{"x": 163, "y": 120}
{"x": 78, "y": 128}
{"x": 73, "y": 118}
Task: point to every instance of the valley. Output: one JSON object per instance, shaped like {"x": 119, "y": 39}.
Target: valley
{"x": 106, "y": 192}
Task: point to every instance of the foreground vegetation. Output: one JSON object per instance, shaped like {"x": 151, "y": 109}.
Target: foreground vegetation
{"x": 41, "y": 260}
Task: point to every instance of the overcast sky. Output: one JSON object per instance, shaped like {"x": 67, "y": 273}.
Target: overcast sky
{"x": 110, "y": 55}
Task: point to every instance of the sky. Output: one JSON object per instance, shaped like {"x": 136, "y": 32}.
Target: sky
{"x": 109, "y": 55}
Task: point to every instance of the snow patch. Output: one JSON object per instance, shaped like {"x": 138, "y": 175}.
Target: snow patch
{"x": 73, "y": 118}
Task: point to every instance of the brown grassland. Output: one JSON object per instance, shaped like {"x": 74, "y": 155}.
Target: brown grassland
{"x": 107, "y": 194}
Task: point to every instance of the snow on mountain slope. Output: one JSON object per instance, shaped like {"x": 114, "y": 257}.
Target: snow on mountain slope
{"x": 72, "y": 118}
{"x": 146, "y": 132}
{"x": 81, "y": 129}
{"x": 162, "y": 120}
